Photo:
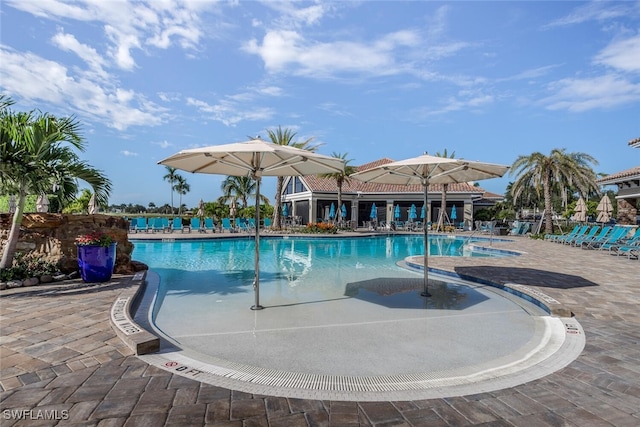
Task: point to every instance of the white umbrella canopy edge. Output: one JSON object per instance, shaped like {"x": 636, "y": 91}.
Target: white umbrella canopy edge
{"x": 427, "y": 169}
{"x": 255, "y": 158}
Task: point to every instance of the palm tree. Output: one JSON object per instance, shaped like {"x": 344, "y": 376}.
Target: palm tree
{"x": 36, "y": 153}
{"x": 285, "y": 137}
{"x": 557, "y": 171}
{"x": 182, "y": 188}
{"x": 340, "y": 177}
{"x": 171, "y": 178}
{"x": 241, "y": 188}
{"x": 445, "y": 188}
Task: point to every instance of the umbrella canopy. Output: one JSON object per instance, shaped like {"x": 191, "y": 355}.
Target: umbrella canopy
{"x": 343, "y": 211}
{"x": 427, "y": 170}
{"x": 605, "y": 208}
{"x": 396, "y": 212}
{"x": 285, "y": 210}
{"x": 332, "y": 211}
{"x": 42, "y": 203}
{"x": 580, "y": 210}
{"x": 255, "y": 158}
{"x": 454, "y": 213}
{"x": 422, "y": 212}
{"x": 93, "y": 206}
{"x": 413, "y": 212}
{"x": 374, "y": 212}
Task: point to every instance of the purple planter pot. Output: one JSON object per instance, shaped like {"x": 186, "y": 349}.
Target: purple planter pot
{"x": 96, "y": 262}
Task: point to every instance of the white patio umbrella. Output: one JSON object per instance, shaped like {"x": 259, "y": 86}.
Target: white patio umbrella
{"x": 580, "y": 211}
{"x": 427, "y": 170}
{"x": 255, "y": 158}
{"x": 200, "y": 212}
{"x": 93, "y": 206}
{"x": 42, "y": 203}
{"x": 605, "y": 208}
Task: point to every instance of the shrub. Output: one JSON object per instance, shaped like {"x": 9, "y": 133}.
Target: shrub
{"x": 320, "y": 228}
{"x": 26, "y": 266}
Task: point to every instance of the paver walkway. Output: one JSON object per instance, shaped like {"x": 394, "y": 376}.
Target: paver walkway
{"x": 60, "y": 358}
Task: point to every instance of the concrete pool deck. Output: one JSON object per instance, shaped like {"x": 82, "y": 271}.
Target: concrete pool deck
{"x": 59, "y": 354}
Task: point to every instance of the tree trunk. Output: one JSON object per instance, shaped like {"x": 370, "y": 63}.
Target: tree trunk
{"x": 12, "y": 241}
{"x": 546, "y": 185}
{"x": 277, "y": 211}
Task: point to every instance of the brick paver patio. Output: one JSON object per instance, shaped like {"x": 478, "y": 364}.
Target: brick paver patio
{"x": 59, "y": 358}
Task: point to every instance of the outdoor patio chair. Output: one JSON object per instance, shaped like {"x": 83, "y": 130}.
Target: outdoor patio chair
{"x": 176, "y": 225}
{"x": 615, "y": 237}
{"x": 226, "y": 225}
{"x": 561, "y": 239}
{"x": 141, "y": 224}
{"x": 209, "y": 225}
{"x": 576, "y": 241}
{"x": 196, "y": 225}
{"x": 554, "y": 237}
{"x": 604, "y": 232}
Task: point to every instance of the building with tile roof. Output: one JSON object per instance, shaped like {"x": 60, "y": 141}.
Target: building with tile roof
{"x": 309, "y": 199}
{"x": 628, "y": 183}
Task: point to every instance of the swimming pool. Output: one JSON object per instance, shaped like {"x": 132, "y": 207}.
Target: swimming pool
{"x": 334, "y": 308}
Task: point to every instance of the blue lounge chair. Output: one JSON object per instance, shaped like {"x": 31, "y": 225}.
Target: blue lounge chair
{"x": 267, "y": 222}
{"x": 226, "y": 225}
{"x": 593, "y": 231}
{"x": 141, "y": 224}
{"x": 196, "y": 225}
{"x": 583, "y": 229}
{"x": 209, "y": 225}
{"x": 612, "y": 238}
{"x": 157, "y": 224}
{"x": 626, "y": 245}
{"x": 132, "y": 225}
{"x": 555, "y": 237}
{"x": 601, "y": 236}
{"x": 243, "y": 224}
{"x": 176, "y": 225}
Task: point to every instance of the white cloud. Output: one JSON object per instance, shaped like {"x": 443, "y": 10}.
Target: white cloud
{"x": 287, "y": 51}
{"x": 230, "y": 112}
{"x": 89, "y": 55}
{"x": 37, "y": 79}
{"x": 623, "y": 55}
{"x": 593, "y": 11}
{"x": 603, "y": 92}
{"x": 128, "y": 153}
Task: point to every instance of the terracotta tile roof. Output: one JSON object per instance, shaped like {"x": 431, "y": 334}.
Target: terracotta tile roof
{"x": 624, "y": 175}
{"x": 635, "y": 143}
{"x": 316, "y": 183}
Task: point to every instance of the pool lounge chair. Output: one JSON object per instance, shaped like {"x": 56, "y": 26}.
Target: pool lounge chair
{"x": 226, "y": 225}
{"x": 196, "y": 225}
{"x": 600, "y": 237}
{"x": 615, "y": 237}
{"x": 581, "y": 231}
{"x": 157, "y": 224}
{"x": 176, "y": 225}
{"x": 587, "y": 237}
{"x": 555, "y": 237}
{"x": 626, "y": 246}
{"x": 141, "y": 225}
{"x": 209, "y": 225}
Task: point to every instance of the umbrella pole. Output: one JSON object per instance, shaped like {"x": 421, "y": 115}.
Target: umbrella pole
{"x": 425, "y": 292}
{"x": 256, "y": 280}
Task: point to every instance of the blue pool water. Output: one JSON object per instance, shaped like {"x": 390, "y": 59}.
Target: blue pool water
{"x": 292, "y": 270}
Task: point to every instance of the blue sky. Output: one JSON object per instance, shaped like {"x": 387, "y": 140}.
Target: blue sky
{"x": 487, "y": 80}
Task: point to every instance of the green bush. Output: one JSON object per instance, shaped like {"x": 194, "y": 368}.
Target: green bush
{"x": 26, "y": 266}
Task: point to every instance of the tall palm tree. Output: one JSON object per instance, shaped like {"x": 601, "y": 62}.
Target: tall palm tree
{"x": 559, "y": 170}
{"x": 171, "y": 177}
{"x": 445, "y": 188}
{"x": 36, "y": 152}
{"x": 181, "y": 187}
{"x": 285, "y": 137}
{"x": 340, "y": 177}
